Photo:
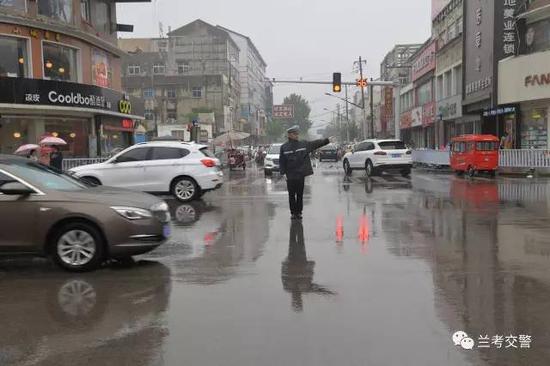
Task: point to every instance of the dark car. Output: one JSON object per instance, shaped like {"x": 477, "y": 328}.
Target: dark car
{"x": 329, "y": 152}
{"x": 48, "y": 213}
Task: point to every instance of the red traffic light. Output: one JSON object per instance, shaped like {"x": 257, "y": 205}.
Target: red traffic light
{"x": 362, "y": 83}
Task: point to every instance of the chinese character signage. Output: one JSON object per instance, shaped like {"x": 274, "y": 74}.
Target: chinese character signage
{"x": 424, "y": 62}
{"x": 497, "y": 341}
{"x": 63, "y": 94}
{"x": 509, "y": 28}
{"x": 428, "y": 114}
{"x": 283, "y": 111}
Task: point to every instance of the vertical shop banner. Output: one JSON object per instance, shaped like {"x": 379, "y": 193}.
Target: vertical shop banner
{"x": 100, "y": 69}
{"x": 428, "y": 114}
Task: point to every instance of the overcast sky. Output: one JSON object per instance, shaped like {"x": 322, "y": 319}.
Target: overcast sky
{"x": 299, "y": 38}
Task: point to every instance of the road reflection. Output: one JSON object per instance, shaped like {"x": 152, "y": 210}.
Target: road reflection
{"x": 488, "y": 244}
{"x": 297, "y": 271}
{"x": 51, "y": 318}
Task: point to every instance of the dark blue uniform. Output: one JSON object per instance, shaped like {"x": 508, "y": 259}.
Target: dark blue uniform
{"x": 294, "y": 162}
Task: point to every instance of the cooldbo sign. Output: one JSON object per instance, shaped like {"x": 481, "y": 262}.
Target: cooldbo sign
{"x": 64, "y": 94}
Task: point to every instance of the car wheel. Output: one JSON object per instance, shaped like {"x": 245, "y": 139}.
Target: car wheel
{"x": 91, "y": 180}
{"x": 369, "y": 169}
{"x": 406, "y": 172}
{"x": 471, "y": 171}
{"x": 185, "y": 189}
{"x": 459, "y": 172}
{"x": 268, "y": 173}
{"x": 78, "y": 247}
{"x": 347, "y": 168}
{"x": 492, "y": 173}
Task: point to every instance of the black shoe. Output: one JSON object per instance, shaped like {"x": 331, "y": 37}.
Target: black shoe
{"x": 299, "y": 217}
{"x": 293, "y": 217}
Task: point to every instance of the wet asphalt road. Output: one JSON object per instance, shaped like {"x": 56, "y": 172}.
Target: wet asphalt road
{"x": 381, "y": 272}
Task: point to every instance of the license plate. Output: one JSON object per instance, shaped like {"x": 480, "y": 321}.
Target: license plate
{"x": 166, "y": 231}
{"x": 395, "y": 155}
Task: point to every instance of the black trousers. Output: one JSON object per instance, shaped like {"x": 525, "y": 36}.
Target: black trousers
{"x": 296, "y": 195}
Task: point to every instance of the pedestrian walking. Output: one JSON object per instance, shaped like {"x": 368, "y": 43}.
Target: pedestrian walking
{"x": 56, "y": 158}
{"x": 295, "y": 163}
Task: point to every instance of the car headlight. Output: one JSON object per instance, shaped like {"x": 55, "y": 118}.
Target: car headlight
{"x": 133, "y": 213}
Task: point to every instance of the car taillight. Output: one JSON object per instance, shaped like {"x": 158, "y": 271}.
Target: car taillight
{"x": 209, "y": 163}
{"x": 380, "y": 153}
{"x": 409, "y": 152}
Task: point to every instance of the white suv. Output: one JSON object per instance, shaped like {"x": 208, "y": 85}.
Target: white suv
{"x": 375, "y": 156}
{"x": 186, "y": 170}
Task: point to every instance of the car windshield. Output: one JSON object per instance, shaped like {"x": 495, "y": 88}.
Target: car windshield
{"x": 274, "y": 149}
{"x": 43, "y": 176}
{"x": 392, "y": 145}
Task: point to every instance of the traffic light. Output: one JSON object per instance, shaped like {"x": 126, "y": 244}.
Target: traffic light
{"x": 337, "y": 82}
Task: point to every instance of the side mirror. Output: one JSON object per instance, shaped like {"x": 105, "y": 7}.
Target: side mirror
{"x": 15, "y": 189}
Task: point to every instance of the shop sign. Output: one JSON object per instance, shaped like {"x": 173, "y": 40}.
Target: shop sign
{"x": 499, "y": 111}
{"x": 537, "y": 80}
{"x": 524, "y": 78}
{"x": 428, "y": 114}
{"x": 388, "y": 101}
{"x": 405, "y": 120}
{"x": 416, "y": 117}
{"x": 64, "y": 94}
{"x": 449, "y": 108}
{"x": 478, "y": 85}
{"x": 283, "y": 111}
{"x": 425, "y": 62}
{"x": 128, "y": 123}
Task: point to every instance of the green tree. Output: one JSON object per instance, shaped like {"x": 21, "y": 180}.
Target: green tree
{"x": 275, "y": 130}
{"x": 301, "y": 112}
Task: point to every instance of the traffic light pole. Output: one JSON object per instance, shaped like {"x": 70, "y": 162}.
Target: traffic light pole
{"x": 347, "y": 115}
{"x": 363, "y": 98}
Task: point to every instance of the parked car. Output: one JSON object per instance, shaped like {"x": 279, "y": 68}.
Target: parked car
{"x": 329, "y": 152}
{"x": 186, "y": 170}
{"x": 375, "y": 156}
{"x": 48, "y": 213}
{"x": 271, "y": 160}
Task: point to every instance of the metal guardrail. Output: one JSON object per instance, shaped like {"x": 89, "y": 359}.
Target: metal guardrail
{"x": 512, "y": 158}
{"x": 526, "y": 158}
{"x": 431, "y": 157}
{"x": 73, "y": 163}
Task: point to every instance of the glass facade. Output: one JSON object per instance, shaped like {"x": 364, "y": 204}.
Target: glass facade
{"x": 60, "y": 62}
{"x": 14, "y": 61}
{"x": 17, "y": 131}
{"x": 534, "y": 128}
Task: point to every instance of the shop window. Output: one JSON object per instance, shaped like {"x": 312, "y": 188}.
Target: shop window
{"x": 534, "y": 129}
{"x": 183, "y": 67}
{"x": 159, "y": 69}
{"x": 101, "y": 69}
{"x": 14, "y": 4}
{"x": 134, "y": 70}
{"x": 148, "y": 93}
{"x": 14, "y": 61}
{"x": 60, "y": 62}
{"x": 197, "y": 92}
{"x": 102, "y": 17}
{"x": 85, "y": 10}
{"x": 168, "y": 153}
{"x": 57, "y": 9}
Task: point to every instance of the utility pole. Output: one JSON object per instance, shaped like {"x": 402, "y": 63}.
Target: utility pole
{"x": 339, "y": 121}
{"x": 347, "y": 116}
{"x": 363, "y": 98}
{"x": 371, "y": 100}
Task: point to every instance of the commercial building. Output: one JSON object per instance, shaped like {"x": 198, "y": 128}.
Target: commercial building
{"x": 395, "y": 67}
{"x": 489, "y": 36}
{"x": 254, "y": 87}
{"x": 524, "y": 80}
{"x": 60, "y": 76}
{"x": 192, "y": 74}
{"x": 417, "y": 99}
{"x": 447, "y": 27}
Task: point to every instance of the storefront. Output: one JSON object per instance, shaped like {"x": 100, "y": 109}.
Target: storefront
{"x": 449, "y": 110}
{"x": 525, "y": 81}
{"x": 83, "y": 115}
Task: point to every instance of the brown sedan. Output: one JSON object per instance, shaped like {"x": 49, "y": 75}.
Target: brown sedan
{"x": 48, "y": 213}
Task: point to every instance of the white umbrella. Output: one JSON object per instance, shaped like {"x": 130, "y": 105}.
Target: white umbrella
{"x": 230, "y": 137}
{"x": 50, "y": 141}
{"x": 24, "y": 149}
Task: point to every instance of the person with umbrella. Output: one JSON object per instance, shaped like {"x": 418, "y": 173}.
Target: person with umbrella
{"x": 56, "y": 158}
{"x": 294, "y": 162}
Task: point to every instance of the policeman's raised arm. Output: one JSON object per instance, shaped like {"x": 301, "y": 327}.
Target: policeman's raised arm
{"x": 316, "y": 144}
